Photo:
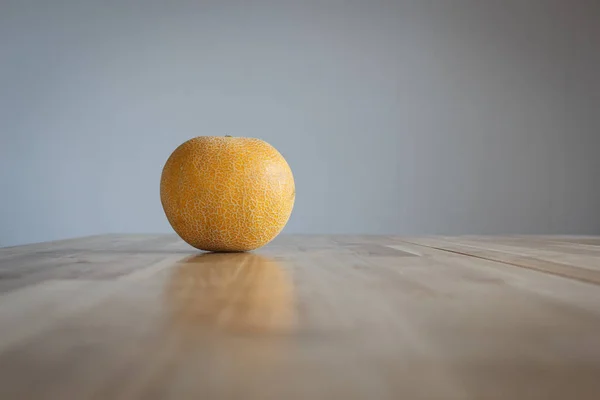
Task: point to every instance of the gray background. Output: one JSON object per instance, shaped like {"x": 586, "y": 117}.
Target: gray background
{"x": 410, "y": 117}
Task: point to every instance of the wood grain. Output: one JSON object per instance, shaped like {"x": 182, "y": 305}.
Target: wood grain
{"x": 307, "y": 317}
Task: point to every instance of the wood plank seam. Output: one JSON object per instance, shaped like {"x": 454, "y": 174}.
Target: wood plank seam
{"x": 551, "y": 268}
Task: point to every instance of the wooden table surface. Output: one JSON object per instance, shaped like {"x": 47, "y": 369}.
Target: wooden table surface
{"x": 306, "y": 317}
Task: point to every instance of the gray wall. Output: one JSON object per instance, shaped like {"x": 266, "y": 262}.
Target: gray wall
{"x": 449, "y": 116}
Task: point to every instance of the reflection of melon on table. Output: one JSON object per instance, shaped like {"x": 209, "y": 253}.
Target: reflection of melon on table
{"x": 231, "y": 292}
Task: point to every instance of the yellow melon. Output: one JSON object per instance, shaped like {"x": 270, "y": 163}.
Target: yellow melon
{"x": 227, "y": 193}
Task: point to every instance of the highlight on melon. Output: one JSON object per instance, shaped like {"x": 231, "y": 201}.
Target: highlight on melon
{"x": 227, "y": 194}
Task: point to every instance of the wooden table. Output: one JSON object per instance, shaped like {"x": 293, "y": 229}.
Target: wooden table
{"x": 306, "y": 317}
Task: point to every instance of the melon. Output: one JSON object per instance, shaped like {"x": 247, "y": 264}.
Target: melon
{"x": 227, "y": 194}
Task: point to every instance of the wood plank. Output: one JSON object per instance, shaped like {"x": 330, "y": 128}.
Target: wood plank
{"x": 563, "y": 252}
{"x": 320, "y": 317}
{"x": 94, "y": 258}
{"x": 516, "y": 258}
